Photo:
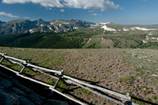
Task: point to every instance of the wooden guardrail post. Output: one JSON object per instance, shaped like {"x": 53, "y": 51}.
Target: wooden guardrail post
{"x": 58, "y": 80}
{"x": 52, "y": 92}
{"x": 63, "y": 79}
{"x": 22, "y": 70}
{"x": 2, "y": 57}
{"x": 127, "y": 101}
{"x": 24, "y": 65}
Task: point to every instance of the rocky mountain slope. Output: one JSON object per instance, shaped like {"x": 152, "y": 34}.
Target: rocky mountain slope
{"x": 1, "y": 22}
{"x": 55, "y": 26}
{"x": 16, "y": 26}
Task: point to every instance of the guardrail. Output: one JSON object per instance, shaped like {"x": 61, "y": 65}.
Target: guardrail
{"x": 125, "y": 99}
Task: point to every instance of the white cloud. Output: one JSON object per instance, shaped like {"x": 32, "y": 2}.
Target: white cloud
{"x": 48, "y": 8}
{"x": 102, "y": 9}
{"x": 26, "y": 17}
{"x": 62, "y": 10}
{"x": 91, "y": 11}
{"x": 85, "y": 4}
{"x": 122, "y": 8}
{"x": 94, "y": 14}
{"x": 8, "y": 14}
{"x": 45, "y": 3}
{"x": 15, "y": 1}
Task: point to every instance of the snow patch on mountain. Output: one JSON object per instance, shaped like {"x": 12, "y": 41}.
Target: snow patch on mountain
{"x": 56, "y": 29}
{"x": 107, "y": 28}
{"x": 143, "y": 29}
{"x": 133, "y": 28}
{"x": 75, "y": 27}
{"x": 50, "y": 28}
{"x": 60, "y": 25}
{"x": 105, "y": 23}
{"x": 125, "y": 29}
{"x": 31, "y": 31}
{"x": 52, "y": 23}
{"x": 65, "y": 23}
{"x": 137, "y": 28}
{"x": 150, "y": 33}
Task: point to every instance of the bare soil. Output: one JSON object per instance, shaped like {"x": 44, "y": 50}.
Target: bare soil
{"x": 105, "y": 67}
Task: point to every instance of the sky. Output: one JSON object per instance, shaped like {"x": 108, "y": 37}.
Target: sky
{"x": 115, "y": 11}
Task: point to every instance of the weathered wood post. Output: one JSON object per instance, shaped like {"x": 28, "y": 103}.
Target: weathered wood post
{"x": 24, "y": 65}
{"x": 2, "y": 57}
{"x": 22, "y": 70}
{"x": 58, "y": 80}
{"x": 127, "y": 100}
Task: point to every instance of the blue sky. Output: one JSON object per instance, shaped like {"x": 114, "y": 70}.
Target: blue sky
{"x": 115, "y": 11}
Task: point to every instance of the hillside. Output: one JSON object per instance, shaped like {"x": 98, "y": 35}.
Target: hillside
{"x": 103, "y": 35}
{"x": 121, "y": 70}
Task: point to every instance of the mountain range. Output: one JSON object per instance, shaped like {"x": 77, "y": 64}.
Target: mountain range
{"x": 55, "y": 26}
{"x": 76, "y": 34}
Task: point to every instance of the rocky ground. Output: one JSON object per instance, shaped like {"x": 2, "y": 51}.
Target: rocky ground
{"x": 14, "y": 93}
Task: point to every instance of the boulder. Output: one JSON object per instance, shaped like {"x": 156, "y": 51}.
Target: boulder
{"x": 12, "y": 80}
{"x": 34, "y": 99}
{"x": 23, "y": 88}
{"x": 40, "y": 97}
{"x": 4, "y": 75}
{"x": 24, "y": 101}
{"x": 55, "y": 102}
{"x": 5, "y": 83}
{"x": 18, "y": 91}
{"x": 8, "y": 98}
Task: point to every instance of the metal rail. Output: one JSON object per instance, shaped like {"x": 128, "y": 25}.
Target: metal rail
{"x": 59, "y": 76}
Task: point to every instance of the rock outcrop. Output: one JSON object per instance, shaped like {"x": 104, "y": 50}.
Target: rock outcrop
{"x": 13, "y": 93}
